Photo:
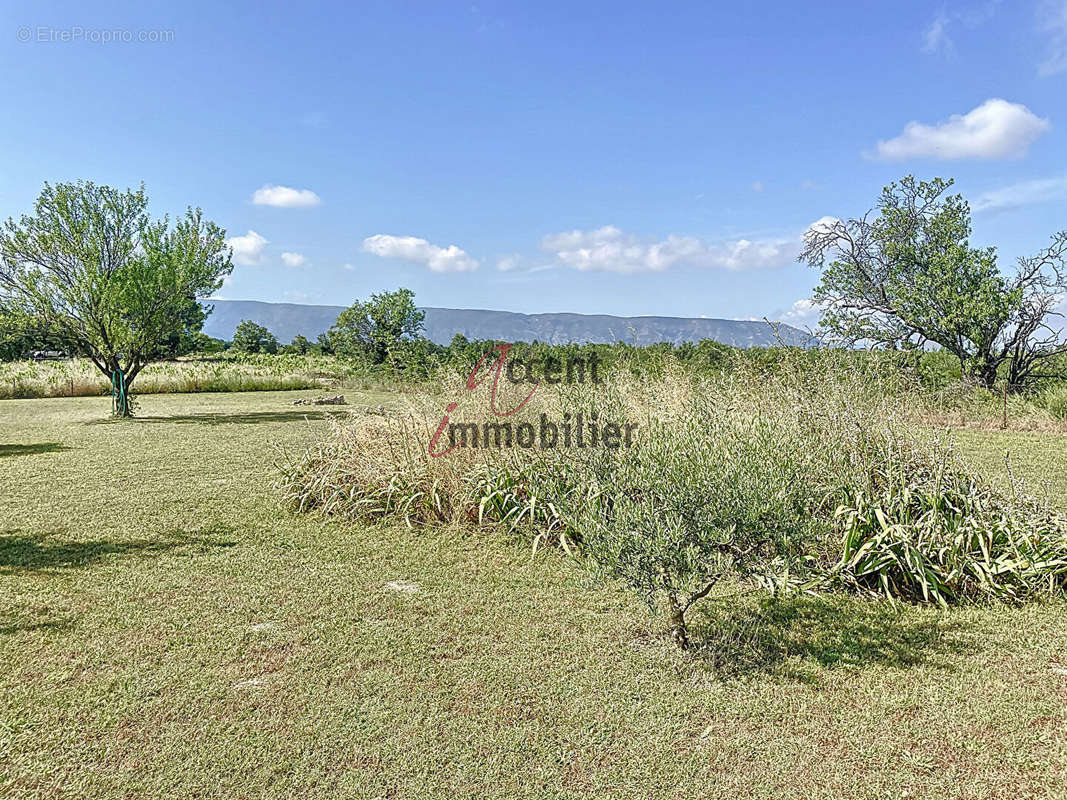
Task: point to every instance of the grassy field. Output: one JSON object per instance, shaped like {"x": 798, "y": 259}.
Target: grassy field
{"x": 166, "y": 631}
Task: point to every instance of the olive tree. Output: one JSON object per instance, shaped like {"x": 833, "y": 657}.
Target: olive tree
{"x": 907, "y": 277}
{"x": 706, "y": 496}
{"x": 97, "y": 272}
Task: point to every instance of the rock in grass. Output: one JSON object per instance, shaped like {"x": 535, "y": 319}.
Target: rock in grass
{"x": 336, "y": 400}
{"x": 406, "y": 587}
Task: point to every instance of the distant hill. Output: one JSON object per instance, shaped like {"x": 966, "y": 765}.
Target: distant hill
{"x": 286, "y": 320}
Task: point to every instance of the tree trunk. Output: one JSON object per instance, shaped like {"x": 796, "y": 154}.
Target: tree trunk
{"x": 676, "y": 616}
{"x": 983, "y": 373}
{"x": 121, "y": 402}
{"x": 124, "y": 407}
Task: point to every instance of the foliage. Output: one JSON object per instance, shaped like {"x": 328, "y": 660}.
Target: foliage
{"x": 909, "y": 278}
{"x": 1054, "y": 399}
{"x": 759, "y": 473}
{"x": 91, "y": 267}
{"x": 937, "y": 533}
{"x": 929, "y": 382}
{"x": 300, "y": 345}
{"x": 20, "y": 335}
{"x": 208, "y": 345}
{"x": 374, "y": 328}
{"x": 188, "y": 338}
{"x": 195, "y": 593}
{"x": 697, "y": 500}
{"x": 251, "y": 337}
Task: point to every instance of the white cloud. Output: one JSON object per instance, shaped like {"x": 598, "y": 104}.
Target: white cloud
{"x": 349, "y": 267}
{"x": 802, "y": 314}
{"x": 995, "y": 129}
{"x": 284, "y": 197}
{"x": 822, "y": 225}
{"x": 411, "y": 248}
{"x": 936, "y": 38}
{"x": 1052, "y": 20}
{"x": 293, "y": 259}
{"x": 609, "y": 249}
{"x": 247, "y": 249}
{"x": 1024, "y": 193}
{"x": 508, "y": 263}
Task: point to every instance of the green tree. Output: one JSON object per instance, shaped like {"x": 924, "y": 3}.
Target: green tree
{"x": 300, "y": 345}
{"x": 21, "y": 335}
{"x": 188, "y": 338}
{"x": 91, "y": 267}
{"x": 325, "y": 344}
{"x": 12, "y": 337}
{"x": 251, "y": 337}
{"x": 202, "y": 343}
{"x": 697, "y": 499}
{"x": 908, "y": 277}
{"x": 374, "y": 328}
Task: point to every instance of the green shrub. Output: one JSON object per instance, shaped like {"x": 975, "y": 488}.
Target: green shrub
{"x": 805, "y": 473}
{"x": 935, "y": 532}
{"x": 697, "y": 500}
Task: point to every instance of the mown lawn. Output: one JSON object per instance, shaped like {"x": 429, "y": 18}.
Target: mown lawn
{"x": 1039, "y": 459}
{"x": 167, "y": 631}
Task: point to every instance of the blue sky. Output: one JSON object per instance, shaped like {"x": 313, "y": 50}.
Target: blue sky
{"x": 623, "y": 158}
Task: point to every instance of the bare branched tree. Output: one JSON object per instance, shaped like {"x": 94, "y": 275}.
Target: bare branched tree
{"x": 906, "y": 277}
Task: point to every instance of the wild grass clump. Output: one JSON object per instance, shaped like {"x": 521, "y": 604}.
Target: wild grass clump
{"x": 930, "y": 530}
{"x": 1054, "y": 400}
{"x": 809, "y": 475}
{"x": 369, "y": 471}
{"x": 374, "y": 467}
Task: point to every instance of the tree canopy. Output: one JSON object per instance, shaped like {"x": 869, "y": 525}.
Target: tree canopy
{"x": 907, "y": 277}
{"x": 93, "y": 269}
{"x": 376, "y": 328}
{"x": 251, "y": 337}
{"x": 300, "y": 345}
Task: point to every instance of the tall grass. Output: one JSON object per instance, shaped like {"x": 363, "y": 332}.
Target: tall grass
{"x": 808, "y": 475}
{"x": 224, "y": 373}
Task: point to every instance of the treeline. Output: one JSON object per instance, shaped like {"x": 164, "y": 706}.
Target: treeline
{"x": 382, "y": 338}
{"x": 417, "y": 358}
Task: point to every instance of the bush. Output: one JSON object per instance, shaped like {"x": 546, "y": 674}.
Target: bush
{"x": 697, "y": 500}
{"x": 929, "y": 530}
{"x": 251, "y": 337}
{"x": 801, "y": 474}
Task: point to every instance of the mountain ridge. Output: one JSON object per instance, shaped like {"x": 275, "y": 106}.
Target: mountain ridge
{"x": 286, "y": 320}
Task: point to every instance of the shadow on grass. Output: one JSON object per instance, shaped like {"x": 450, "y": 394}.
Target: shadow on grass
{"x": 22, "y": 552}
{"x": 31, "y": 449}
{"x": 832, "y": 631}
{"x": 247, "y": 418}
{"x": 9, "y": 628}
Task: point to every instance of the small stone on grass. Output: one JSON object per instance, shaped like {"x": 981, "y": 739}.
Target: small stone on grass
{"x": 408, "y": 587}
